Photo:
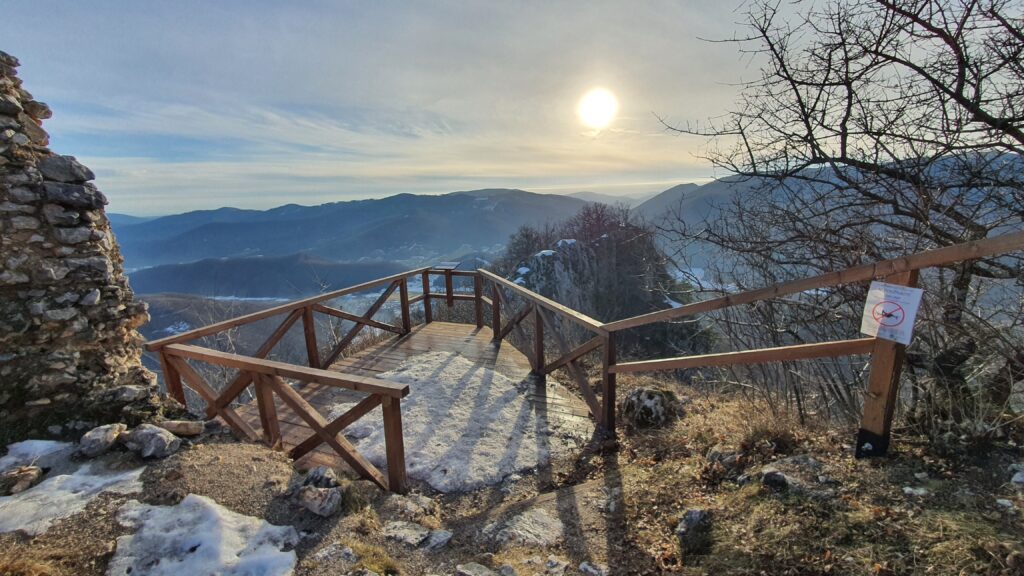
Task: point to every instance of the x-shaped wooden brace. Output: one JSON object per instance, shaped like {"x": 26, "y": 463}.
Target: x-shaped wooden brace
{"x": 220, "y": 404}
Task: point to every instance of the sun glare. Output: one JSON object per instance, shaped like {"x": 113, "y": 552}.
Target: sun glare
{"x": 597, "y": 108}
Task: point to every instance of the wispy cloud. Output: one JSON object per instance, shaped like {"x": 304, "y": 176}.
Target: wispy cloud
{"x": 199, "y": 105}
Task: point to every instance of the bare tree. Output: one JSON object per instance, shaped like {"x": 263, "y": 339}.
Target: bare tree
{"x": 878, "y": 128}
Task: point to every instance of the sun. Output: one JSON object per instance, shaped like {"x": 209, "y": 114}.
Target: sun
{"x": 598, "y": 108}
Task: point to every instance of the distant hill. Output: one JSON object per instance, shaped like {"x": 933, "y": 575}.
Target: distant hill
{"x": 118, "y": 220}
{"x": 612, "y": 199}
{"x": 406, "y": 227}
{"x": 257, "y": 277}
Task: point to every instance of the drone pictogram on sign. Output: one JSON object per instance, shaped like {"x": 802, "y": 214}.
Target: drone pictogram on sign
{"x": 888, "y": 313}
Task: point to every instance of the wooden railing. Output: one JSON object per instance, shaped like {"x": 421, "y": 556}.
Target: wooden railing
{"x": 546, "y": 317}
{"x": 266, "y": 376}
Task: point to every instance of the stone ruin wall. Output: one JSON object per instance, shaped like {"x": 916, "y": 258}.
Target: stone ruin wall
{"x": 68, "y": 319}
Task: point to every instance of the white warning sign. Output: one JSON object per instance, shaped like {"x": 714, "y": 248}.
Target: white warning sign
{"x": 890, "y": 311}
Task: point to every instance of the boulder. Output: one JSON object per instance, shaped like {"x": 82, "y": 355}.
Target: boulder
{"x": 649, "y": 408}
{"x": 694, "y": 530}
{"x": 100, "y": 439}
{"x": 19, "y": 479}
{"x": 150, "y": 441}
{"x": 184, "y": 428}
{"x": 408, "y": 533}
{"x": 323, "y": 502}
{"x": 474, "y": 569}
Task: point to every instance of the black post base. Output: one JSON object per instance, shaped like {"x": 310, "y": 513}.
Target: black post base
{"x": 870, "y": 445}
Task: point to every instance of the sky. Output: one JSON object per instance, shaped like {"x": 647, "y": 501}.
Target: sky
{"x": 193, "y": 105}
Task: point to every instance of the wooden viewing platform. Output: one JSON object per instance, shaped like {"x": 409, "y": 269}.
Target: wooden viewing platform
{"x": 465, "y": 340}
{"x": 290, "y": 399}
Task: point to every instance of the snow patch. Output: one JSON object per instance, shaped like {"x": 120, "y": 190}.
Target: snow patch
{"x": 30, "y": 452}
{"x": 520, "y": 280}
{"x": 565, "y": 242}
{"x": 672, "y": 303}
{"x": 546, "y": 253}
{"x": 199, "y": 536}
{"x": 467, "y": 426}
{"x": 523, "y": 270}
{"x": 177, "y": 328}
{"x": 61, "y": 494}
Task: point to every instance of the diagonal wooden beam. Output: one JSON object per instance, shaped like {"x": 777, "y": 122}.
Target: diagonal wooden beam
{"x": 197, "y": 383}
{"x": 574, "y": 354}
{"x": 337, "y": 425}
{"x": 242, "y": 381}
{"x": 357, "y": 319}
{"x": 513, "y": 323}
{"x": 348, "y": 338}
{"x": 576, "y": 373}
{"x": 343, "y": 447}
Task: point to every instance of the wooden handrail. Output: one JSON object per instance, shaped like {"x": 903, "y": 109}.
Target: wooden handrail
{"x": 285, "y": 370}
{"x": 564, "y": 311}
{"x": 275, "y": 310}
{"x": 777, "y": 354}
{"x": 928, "y": 259}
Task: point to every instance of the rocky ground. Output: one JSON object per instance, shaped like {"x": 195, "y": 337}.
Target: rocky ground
{"x": 723, "y": 489}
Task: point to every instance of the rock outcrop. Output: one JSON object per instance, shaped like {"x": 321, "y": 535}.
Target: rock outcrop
{"x": 67, "y": 316}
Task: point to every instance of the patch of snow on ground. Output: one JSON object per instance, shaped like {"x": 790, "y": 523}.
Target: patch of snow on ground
{"x": 546, "y": 253}
{"x": 565, "y": 242}
{"x": 672, "y": 302}
{"x": 32, "y": 451}
{"x": 520, "y": 280}
{"x": 467, "y": 426}
{"x": 523, "y": 270}
{"x": 67, "y": 489}
{"x": 199, "y": 536}
{"x": 177, "y": 328}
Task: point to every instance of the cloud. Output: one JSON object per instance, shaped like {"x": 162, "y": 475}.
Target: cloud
{"x": 256, "y": 104}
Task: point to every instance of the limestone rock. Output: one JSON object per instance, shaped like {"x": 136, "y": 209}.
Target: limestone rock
{"x": 474, "y": 569}
{"x": 408, "y": 533}
{"x": 534, "y": 527}
{"x": 437, "y": 539}
{"x": 64, "y": 169}
{"x": 321, "y": 477}
{"x": 336, "y": 551}
{"x": 320, "y": 501}
{"x": 100, "y": 439}
{"x": 408, "y": 507}
{"x": 150, "y": 441}
{"x": 693, "y": 530}
{"x": 19, "y": 479}
{"x": 555, "y": 566}
{"x": 649, "y": 408}
{"x": 183, "y": 428}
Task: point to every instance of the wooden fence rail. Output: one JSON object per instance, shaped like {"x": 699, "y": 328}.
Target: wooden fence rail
{"x": 547, "y": 318}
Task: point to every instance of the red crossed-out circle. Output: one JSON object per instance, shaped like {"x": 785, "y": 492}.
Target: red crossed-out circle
{"x": 888, "y": 313}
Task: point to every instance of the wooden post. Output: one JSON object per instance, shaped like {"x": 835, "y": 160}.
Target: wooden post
{"x": 403, "y": 292}
{"x": 495, "y": 311}
{"x": 449, "y": 293}
{"x": 394, "y": 444}
{"x": 428, "y": 313}
{"x": 268, "y": 412}
{"x": 538, "y": 342}
{"x": 883, "y": 387}
{"x": 478, "y": 300}
{"x": 607, "y": 418}
{"x": 172, "y": 380}
{"x": 309, "y": 328}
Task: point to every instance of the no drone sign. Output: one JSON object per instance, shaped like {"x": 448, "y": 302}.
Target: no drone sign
{"x": 890, "y": 310}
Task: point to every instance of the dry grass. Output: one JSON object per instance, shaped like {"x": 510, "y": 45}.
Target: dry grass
{"x": 25, "y": 565}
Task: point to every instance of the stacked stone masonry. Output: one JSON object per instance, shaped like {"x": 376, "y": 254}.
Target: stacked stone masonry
{"x": 68, "y": 319}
